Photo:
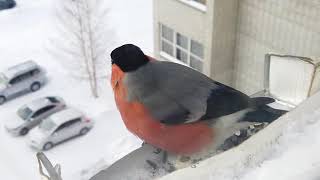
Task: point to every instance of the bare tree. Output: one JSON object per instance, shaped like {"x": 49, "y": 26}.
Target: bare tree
{"x": 84, "y": 38}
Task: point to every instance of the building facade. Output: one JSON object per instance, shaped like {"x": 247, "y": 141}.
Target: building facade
{"x": 227, "y": 39}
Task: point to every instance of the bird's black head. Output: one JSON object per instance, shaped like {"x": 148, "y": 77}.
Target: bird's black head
{"x": 128, "y": 57}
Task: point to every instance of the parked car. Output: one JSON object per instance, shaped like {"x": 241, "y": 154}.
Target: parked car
{"x": 60, "y": 127}
{"x": 19, "y": 79}
{"x": 7, "y": 4}
{"x": 31, "y": 114}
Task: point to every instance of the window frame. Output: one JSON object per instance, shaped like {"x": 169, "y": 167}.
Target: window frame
{"x": 176, "y": 46}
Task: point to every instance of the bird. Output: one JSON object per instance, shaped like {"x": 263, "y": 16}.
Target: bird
{"x": 172, "y": 106}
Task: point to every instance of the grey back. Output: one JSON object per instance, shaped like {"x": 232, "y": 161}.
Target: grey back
{"x": 170, "y": 91}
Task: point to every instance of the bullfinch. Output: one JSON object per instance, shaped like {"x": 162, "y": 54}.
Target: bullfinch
{"x": 171, "y": 106}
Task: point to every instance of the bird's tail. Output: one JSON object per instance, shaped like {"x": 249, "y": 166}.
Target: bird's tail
{"x": 260, "y": 101}
{"x": 261, "y": 111}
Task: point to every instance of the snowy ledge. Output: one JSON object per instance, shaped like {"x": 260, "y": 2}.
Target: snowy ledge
{"x": 250, "y": 154}
{"x": 195, "y": 5}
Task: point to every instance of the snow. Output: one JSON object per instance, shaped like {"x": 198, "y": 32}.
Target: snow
{"x": 25, "y": 33}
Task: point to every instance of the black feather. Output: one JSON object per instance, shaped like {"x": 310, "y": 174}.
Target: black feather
{"x": 263, "y": 114}
{"x": 225, "y": 100}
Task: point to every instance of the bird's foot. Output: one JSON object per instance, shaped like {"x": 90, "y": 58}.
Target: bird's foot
{"x": 241, "y": 135}
{"x": 143, "y": 144}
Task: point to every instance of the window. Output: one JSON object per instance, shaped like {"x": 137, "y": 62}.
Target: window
{"x": 35, "y": 72}
{"x": 68, "y": 124}
{"x": 167, "y": 33}
{"x": 15, "y": 80}
{"x": 53, "y": 99}
{"x": 195, "y": 63}
{"x": 181, "y": 48}
{"x": 166, "y": 40}
{"x": 24, "y": 113}
{"x": 167, "y": 47}
{"x": 182, "y": 41}
{"x": 182, "y": 56}
{"x": 21, "y": 77}
{"x": 196, "y": 48}
{"x": 41, "y": 111}
{"x": 25, "y": 76}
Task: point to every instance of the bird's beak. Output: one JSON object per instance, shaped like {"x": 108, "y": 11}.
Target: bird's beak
{"x": 116, "y": 76}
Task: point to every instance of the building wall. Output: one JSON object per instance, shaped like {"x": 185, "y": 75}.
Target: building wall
{"x": 185, "y": 19}
{"x": 215, "y": 28}
{"x": 285, "y": 27}
{"x": 223, "y": 40}
{"x": 182, "y": 18}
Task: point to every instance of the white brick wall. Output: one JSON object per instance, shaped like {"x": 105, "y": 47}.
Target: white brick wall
{"x": 264, "y": 26}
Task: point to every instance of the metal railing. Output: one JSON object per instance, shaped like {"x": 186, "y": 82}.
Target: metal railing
{"x": 54, "y": 173}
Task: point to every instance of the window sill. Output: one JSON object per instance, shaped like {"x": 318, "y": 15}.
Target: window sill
{"x": 170, "y": 58}
{"x": 195, "y": 5}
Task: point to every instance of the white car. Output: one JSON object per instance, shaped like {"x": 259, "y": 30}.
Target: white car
{"x": 20, "y": 79}
{"x": 31, "y": 114}
{"x": 60, "y": 127}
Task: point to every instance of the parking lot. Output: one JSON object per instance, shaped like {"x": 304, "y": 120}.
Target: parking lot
{"x": 24, "y": 34}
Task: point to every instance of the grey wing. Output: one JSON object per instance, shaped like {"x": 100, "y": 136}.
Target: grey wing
{"x": 172, "y": 93}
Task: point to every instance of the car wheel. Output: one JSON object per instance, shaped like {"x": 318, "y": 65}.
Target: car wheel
{"x": 2, "y": 100}
{"x": 35, "y": 86}
{"x": 84, "y": 131}
{"x": 24, "y": 131}
{"x": 47, "y": 146}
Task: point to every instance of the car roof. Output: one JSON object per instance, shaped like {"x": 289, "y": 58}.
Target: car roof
{"x": 39, "y": 103}
{"x": 20, "y": 68}
{"x": 65, "y": 115}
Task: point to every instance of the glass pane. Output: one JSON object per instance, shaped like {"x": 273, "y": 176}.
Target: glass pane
{"x": 167, "y": 33}
{"x": 182, "y": 41}
{"x": 182, "y": 55}
{"x": 197, "y": 48}
{"x": 167, "y": 48}
{"x": 196, "y": 63}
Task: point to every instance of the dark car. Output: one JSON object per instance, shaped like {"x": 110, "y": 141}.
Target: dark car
{"x": 7, "y": 4}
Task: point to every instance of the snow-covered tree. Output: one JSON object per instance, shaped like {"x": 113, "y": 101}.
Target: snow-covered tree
{"x": 84, "y": 38}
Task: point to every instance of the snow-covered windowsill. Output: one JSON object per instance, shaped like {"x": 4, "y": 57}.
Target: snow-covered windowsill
{"x": 195, "y": 5}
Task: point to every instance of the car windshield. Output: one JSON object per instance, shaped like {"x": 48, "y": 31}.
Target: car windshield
{"x": 3, "y": 78}
{"x": 47, "y": 125}
{"x": 25, "y": 112}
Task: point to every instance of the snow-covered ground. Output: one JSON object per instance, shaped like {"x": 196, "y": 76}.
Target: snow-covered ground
{"x": 24, "y": 34}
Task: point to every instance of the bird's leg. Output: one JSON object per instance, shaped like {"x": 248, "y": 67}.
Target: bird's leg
{"x": 167, "y": 165}
{"x": 184, "y": 159}
{"x": 164, "y": 157}
{"x": 143, "y": 143}
{"x": 241, "y": 135}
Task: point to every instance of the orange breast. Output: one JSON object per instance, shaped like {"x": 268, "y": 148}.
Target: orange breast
{"x": 181, "y": 139}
